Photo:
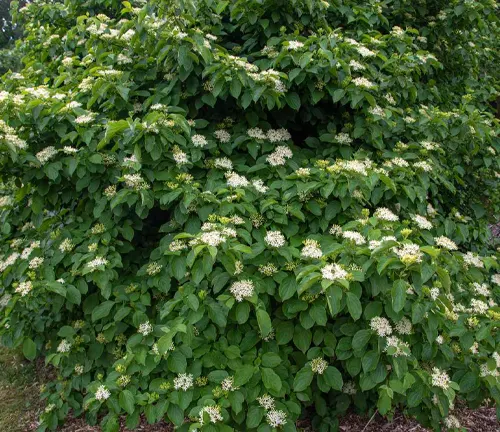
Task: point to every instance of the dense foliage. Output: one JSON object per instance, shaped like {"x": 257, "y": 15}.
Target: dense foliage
{"x": 233, "y": 215}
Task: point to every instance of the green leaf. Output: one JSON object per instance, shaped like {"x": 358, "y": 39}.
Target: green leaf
{"x": 398, "y": 293}
{"x": 293, "y": 100}
{"x": 333, "y": 298}
{"x": 361, "y": 338}
{"x": 243, "y": 375}
{"x": 288, "y": 288}
{"x": 271, "y": 380}
{"x": 127, "y": 401}
{"x": 235, "y": 88}
{"x": 102, "y": 310}
{"x": 354, "y": 306}
{"x": 264, "y": 322}
{"x": 303, "y": 379}
{"x": 29, "y": 349}
{"x": 271, "y": 360}
{"x": 333, "y": 378}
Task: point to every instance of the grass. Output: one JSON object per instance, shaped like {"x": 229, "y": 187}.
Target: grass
{"x": 19, "y": 391}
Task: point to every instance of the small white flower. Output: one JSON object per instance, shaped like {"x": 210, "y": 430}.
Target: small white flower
{"x": 311, "y": 249}
{"x": 294, "y": 45}
{"x": 333, "y": 272}
{"x": 145, "y": 328}
{"x": 199, "y": 140}
{"x": 275, "y": 239}
{"x": 276, "y": 419}
{"x": 404, "y": 326}
{"x": 319, "y": 365}
{"x": 36, "y": 262}
{"x": 64, "y": 346}
{"x": 183, "y": 381}
{"x": 213, "y": 414}
{"x": 242, "y": 290}
{"x": 446, "y": 243}
{"x": 102, "y": 393}
{"x": 385, "y": 214}
{"x": 266, "y": 402}
{"x": 422, "y": 222}
{"x": 381, "y": 326}
{"x": 24, "y": 288}
{"x": 354, "y": 236}
{"x": 440, "y": 378}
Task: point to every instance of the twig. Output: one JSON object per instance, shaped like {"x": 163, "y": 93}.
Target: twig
{"x": 369, "y": 421}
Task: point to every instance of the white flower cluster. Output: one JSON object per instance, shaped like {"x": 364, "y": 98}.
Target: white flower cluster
{"x": 319, "y": 365}
{"x": 349, "y": 388}
{"x": 451, "y": 422}
{"x": 179, "y": 156}
{"x": 365, "y": 52}
{"x": 276, "y": 418}
{"x": 145, "y": 328}
{"x": 135, "y": 181}
{"x": 479, "y": 307}
{"x": 66, "y": 245}
{"x": 495, "y": 279}
{"x": 440, "y": 378}
{"x": 102, "y": 393}
{"x": 481, "y": 289}
{"x": 343, "y": 138}
{"x": 446, "y": 243}
{"x": 36, "y": 262}
{"x": 235, "y": 180}
{"x": 183, "y": 381}
{"x": 278, "y": 135}
{"x": 213, "y": 412}
{"x": 279, "y": 156}
{"x": 333, "y": 272}
{"x": 223, "y": 163}
{"x": 222, "y": 135}
{"x": 8, "y": 134}
{"x": 275, "y": 239}
{"x": 422, "y": 222}
{"x": 64, "y": 346}
{"x": 199, "y": 140}
{"x": 242, "y": 290}
{"x": 9, "y": 261}
{"x": 97, "y": 262}
{"x": 363, "y": 83}
{"x": 385, "y": 214}
{"x": 377, "y": 110}
{"x": 381, "y": 326}
{"x": 402, "y": 348}
{"x": 404, "y": 326}
{"x": 294, "y": 45}
{"x": 227, "y": 384}
{"x": 266, "y": 402}
{"x": 153, "y": 268}
{"x": 353, "y": 166}
{"x": 409, "y": 253}
{"x": 24, "y": 288}
{"x": 354, "y": 236}
{"x": 374, "y": 244}
{"x": 472, "y": 259}
{"x": 423, "y": 165}
{"x": 311, "y": 249}
{"x": 46, "y": 154}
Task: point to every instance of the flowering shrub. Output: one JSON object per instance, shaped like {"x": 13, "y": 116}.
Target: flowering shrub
{"x": 233, "y": 215}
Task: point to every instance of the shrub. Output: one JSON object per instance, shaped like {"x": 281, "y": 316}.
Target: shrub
{"x": 237, "y": 214}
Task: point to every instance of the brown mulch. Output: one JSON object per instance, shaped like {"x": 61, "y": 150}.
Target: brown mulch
{"x": 478, "y": 420}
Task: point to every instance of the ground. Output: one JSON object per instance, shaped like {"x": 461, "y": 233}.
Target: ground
{"x": 20, "y": 406}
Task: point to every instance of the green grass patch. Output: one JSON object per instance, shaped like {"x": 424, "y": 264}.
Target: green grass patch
{"x": 19, "y": 392}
